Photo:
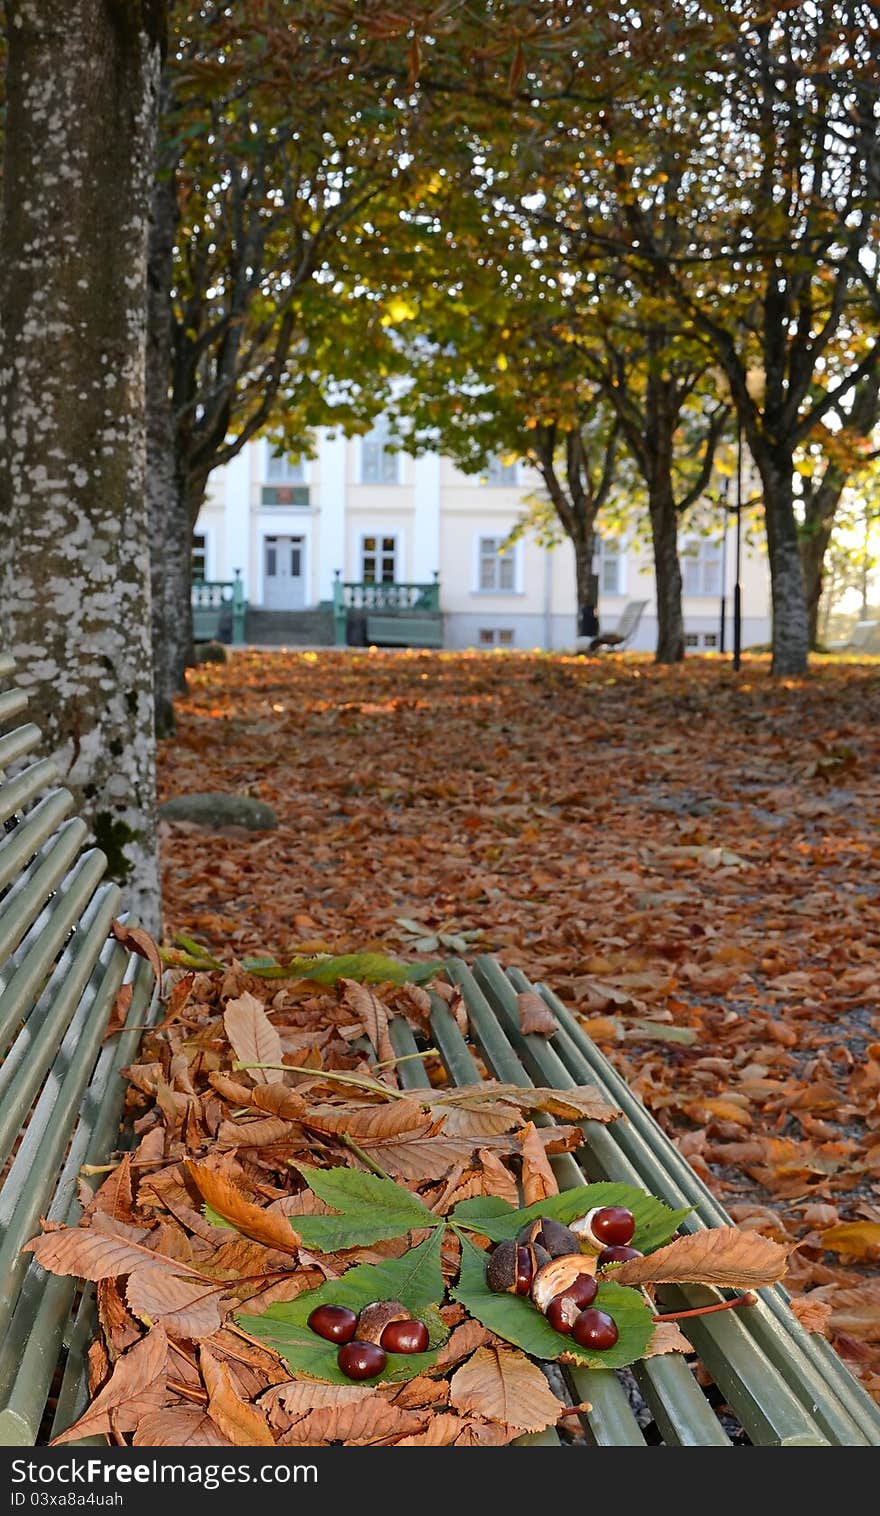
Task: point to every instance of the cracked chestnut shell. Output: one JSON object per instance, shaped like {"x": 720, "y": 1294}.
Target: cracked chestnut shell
{"x": 558, "y": 1276}
{"x": 550, "y": 1234}
{"x": 376, "y": 1316}
{"x": 512, "y": 1266}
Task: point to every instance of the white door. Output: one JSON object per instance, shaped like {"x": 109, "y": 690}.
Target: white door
{"x": 284, "y": 579}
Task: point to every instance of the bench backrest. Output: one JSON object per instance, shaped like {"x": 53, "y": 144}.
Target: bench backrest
{"x": 630, "y": 617}
{"x": 61, "y": 1092}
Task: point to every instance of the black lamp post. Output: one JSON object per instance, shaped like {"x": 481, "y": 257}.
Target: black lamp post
{"x": 723, "y": 490}
{"x": 737, "y": 587}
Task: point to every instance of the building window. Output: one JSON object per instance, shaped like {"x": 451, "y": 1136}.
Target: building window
{"x": 499, "y": 472}
{"x": 379, "y": 560}
{"x": 283, "y": 470}
{"x": 496, "y": 569}
{"x": 495, "y": 636}
{"x": 199, "y": 556}
{"x": 611, "y": 563}
{"x": 697, "y": 641}
{"x": 379, "y": 465}
{"x": 701, "y": 567}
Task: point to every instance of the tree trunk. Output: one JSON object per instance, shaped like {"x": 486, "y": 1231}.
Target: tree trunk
{"x": 791, "y": 638}
{"x": 584, "y": 543}
{"x": 667, "y": 572}
{"x": 81, "y": 92}
{"x": 164, "y": 490}
{"x": 813, "y": 548}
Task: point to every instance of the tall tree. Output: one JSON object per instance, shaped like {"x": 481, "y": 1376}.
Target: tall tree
{"x": 81, "y": 91}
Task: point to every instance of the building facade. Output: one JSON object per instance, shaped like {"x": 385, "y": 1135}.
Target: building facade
{"x": 360, "y": 511}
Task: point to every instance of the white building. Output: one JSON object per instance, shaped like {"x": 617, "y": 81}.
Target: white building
{"x": 362, "y": 512}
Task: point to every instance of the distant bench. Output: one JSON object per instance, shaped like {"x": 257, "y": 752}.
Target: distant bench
{"x": 218, "y": 611}
{"x": 402, "y": 630}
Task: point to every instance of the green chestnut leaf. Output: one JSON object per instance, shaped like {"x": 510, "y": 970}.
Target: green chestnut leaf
{"x": 371, "y": 1210}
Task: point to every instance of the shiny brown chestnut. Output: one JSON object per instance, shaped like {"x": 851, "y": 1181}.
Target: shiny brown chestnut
{"x": 405, "y": 1337}
{"x": 617, "y": 1254}
{"x": 564, "y": 1309}
{"x": 335, "y": 1323}
{"x": 361, "y": 1360}
{"x": 595, "y": 1329}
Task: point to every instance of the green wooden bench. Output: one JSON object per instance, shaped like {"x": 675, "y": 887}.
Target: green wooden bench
{"x": 405, "y": 631}
{"x": 61, "y": 1095}
{"x": 785, "y": 1387}
{"x": 61, "y": 1091}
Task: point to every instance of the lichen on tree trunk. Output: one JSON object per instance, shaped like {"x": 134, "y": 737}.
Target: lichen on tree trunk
{"x": 79, "y": 141}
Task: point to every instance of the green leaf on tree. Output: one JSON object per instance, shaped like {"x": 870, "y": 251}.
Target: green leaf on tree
{"x": 372, "y": 1210}
{"x": 518, "y": 1320}
{"x": 494, "y": 1218}
{"x": 415, "y": 1279}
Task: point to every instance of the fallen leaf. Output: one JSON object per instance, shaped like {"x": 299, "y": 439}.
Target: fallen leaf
{"x": 501, "y": 1384}
{"x": 535, "y": 1014}
{"x": 253, "y": 1037}
{"x": 723, "y": 1256}
{"x": 139, "y": 941}
{"x": 245, "y": 1425}
{"x": 251, "y": 1220}
{"x": 135, "y": 1388}
{"x": 538, "y": 1179}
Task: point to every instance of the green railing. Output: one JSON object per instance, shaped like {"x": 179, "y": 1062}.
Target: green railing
{"x": 385, "y": 599}
{"x": 212, "y": 600}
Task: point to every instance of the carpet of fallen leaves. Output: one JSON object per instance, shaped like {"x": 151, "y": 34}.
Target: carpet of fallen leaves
{"x": 687, "y": 857}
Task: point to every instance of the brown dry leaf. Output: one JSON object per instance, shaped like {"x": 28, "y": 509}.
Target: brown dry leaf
{"x": 667, "y": 1338}
{"x": 241, "y": 1422}
{"x": 135, "y": 1388}
{"x": 501, "y": 1384}
{"x": 723, "y": 1256}
{"x": 114, "y": 1197}
{"x": 813, "y": 1315}
{"x": 179, "y": 1426}
{"x": 177, "y": 1001}
{"x": 484, "y": 1434}
{"x": 372, "y": 1014}
{"x": 538, "y": 1179}
{"x": 89, "y": 1253}
{"x": 139, "y": 941}
{"x": 535, "y": 1014}
{"x": 364, "y": 1424}
{"x": 252, "y": 1035}
{"x": 441, "y": 1432}
{"x": 278, "y": 1100}
{"x": 295, "y": 1398}
{"x": 254, "y": 1221}
{"x": 581, "y": 1103}
{"x": 463, "y": 1341}
{"x": 262, "y": 1133}
{"x": 117, "y": 1323}
{"x": 186, "y": 1306}
{"x": 366, "y": 1123}
{"x": 497, "y": 1178}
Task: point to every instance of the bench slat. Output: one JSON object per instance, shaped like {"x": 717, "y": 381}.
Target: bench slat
{"x": 21, "y": 740}
{"x": 29, "y": 1355}
{"x": 12, "y": 703}
{"x": 27, "y": 898}
{"x": 18, "y": 792}
{"x": 30, "y": 1182}
{"x": 20, "y": 845}
{"x": 30, "y": 1057}
{"x": 46, "y": 939}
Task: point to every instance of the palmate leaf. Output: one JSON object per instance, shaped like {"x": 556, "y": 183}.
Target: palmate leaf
{"x": 494, "y": 1218}
{"x": 373, "y": 1210}
{"x": 517, "y": 1320}
{"x": 415, "y": 1279}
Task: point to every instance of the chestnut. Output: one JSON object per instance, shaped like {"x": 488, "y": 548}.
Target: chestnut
{"x": 336, "y": 1323}
{"x": 511, "y": 1267}
{"x": 549, "y": 1234}
{"x": 594, "y": 1329}
{"x": 604, "y": 1226}
{"x": 405, "y": 1337}
{"x": 560, "y": 1275}
{"x": 361, "y": 1360}
{"x": 376, "y": 1316}
{"x": 565, "y": 1307}
{"x": 616, "y": 1254}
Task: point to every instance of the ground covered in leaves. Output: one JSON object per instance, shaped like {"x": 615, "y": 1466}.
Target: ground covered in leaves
{"x": 687, "y": 857}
